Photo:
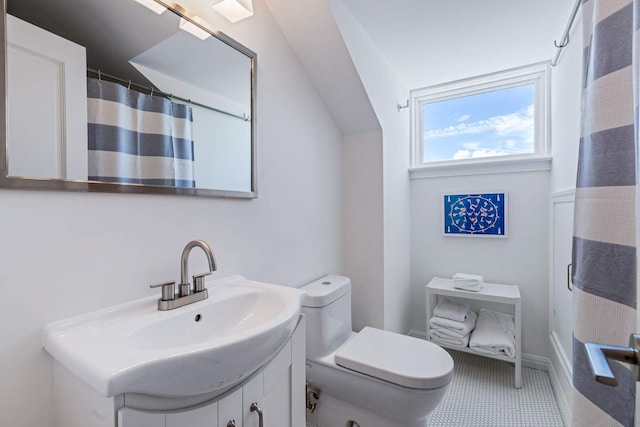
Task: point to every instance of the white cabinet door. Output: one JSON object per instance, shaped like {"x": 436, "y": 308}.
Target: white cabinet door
{"x": 298, "y": 376}
{"x": 206, "y": 416}
{"x": 128, "y": 417}
{"x": 230, "y": 409}
{"x": 277, "y": 390}
{"x": 253, "y": 391}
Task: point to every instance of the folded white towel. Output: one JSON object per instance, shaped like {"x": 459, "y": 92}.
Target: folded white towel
{"x": 451, "y": 310}
{"x": 494, "y": 334}
{"x": 465, "y": 276}
{"x": 473, "y": 287}
{"x": 467, "y": 282}
{"x": 443, "y": 334}
{"x": 452, "y": 328}
{"x": 457, "y": 342}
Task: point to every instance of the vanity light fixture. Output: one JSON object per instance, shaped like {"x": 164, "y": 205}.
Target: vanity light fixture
{"x": 193, "y": 29}
{"x": 234, "y": 10}
{"x": 153, "y": 5}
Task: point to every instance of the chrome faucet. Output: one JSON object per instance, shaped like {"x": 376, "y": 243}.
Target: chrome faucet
{"x": 187, "y": 294}
{"x": 184, "y": 281}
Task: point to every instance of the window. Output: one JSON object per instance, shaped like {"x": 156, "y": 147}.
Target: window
{"x": 492, "y": 123}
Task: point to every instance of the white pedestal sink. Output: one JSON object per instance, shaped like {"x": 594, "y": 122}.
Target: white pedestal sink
{"x": 196, "y": 349}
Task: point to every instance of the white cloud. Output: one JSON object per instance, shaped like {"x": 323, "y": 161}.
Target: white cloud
{"x": 482, "y": 152}
{"x": 463, "y": 118}
{"x": 462, "y": 154}
{"x": 518, "y": 125}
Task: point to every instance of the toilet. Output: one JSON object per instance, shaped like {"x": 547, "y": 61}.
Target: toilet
{"x": 372, "y": 378}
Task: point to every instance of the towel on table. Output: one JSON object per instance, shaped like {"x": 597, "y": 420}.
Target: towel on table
{"x": 468, "y": 282}
{"x": 457, "y": 342}
{"x": 451, "y": 310}
{"x": 452, "y": 328}
{"x": 494, "y": 334}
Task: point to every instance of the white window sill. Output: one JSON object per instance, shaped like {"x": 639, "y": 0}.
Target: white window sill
{"x": 482, "y": 167}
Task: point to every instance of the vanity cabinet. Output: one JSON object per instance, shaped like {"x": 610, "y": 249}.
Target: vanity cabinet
{"x": 278, "y": 389}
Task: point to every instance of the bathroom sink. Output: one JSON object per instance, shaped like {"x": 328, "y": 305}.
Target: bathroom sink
{"x": 200, "y": 348}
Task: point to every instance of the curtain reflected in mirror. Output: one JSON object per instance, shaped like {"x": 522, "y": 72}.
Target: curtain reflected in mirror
{"x": 138, "y": 138}
{"x": 113, "y": 92}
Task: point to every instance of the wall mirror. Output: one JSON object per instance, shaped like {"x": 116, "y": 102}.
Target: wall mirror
{"x": 133, "y": 96}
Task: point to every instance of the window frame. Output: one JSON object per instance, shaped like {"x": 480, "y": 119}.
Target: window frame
{"x": 536, "y": 74}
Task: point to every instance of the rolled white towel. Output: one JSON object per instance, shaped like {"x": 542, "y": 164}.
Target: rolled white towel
{"x": 457, "y": 342}
{"x": 453, "y": 328}
{"x": 451, "y": 310}
{"x": 494, "y": 334}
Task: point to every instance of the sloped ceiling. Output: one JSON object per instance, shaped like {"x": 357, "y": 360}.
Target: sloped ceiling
{"x": 312, "y": 33}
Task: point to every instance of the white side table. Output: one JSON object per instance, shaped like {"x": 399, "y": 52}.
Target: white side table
{"x": 502, "y": 294}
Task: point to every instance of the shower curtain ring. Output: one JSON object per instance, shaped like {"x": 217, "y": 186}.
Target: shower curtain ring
{"x": 129, "y": 86}
{"x": 151, "y": 94}
{"x": 99, "y": 77}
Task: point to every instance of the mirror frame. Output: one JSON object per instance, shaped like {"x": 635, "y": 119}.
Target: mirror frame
{"x": 27, "y": 183}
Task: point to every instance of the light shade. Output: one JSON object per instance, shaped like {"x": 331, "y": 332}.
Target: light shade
{"x": 190, "y": 27}
{"x": 234, "y": 10}
{"x": 151, "y": 4}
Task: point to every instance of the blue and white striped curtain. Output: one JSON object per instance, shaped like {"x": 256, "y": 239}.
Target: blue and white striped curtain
{"x": 604, "y": 247}
{"x": 138, "y": 138}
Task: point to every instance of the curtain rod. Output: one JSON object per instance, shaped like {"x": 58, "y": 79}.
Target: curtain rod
{"x": 152, "y": 91}
{"x": 565, "y": 37}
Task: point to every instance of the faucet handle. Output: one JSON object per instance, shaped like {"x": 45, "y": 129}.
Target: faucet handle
{"x": 198, "y": 281}
{"x": 168, "y": 290}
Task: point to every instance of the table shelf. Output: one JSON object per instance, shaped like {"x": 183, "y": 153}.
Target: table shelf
{"x": 492, "y": 293}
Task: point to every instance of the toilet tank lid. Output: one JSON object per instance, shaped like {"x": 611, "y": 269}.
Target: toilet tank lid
{"x": 325, "y": 290}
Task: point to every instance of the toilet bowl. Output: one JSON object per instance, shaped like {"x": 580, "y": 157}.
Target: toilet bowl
{"x": 373, "y": 378}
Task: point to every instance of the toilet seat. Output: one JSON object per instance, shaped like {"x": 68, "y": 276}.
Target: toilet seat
{"x": 399, "y": 359}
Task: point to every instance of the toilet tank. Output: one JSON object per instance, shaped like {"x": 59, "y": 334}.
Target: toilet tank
{"x": 327, "y": 310}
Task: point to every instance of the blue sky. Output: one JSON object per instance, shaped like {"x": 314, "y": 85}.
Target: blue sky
{"x": 487, "y": 124}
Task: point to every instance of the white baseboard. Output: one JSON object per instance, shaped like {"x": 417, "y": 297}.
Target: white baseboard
{"x": 564, "y": 372}
{"x": 536, "y": 362}
{"x": 417, "y": 334}
{"x": 563, "y": 403}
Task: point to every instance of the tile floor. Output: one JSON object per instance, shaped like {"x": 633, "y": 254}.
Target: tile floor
{"x": 482, "y": 395}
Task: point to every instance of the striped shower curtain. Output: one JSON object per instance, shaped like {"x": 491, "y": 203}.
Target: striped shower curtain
{"x": 604, "y": 247}
{"x": 138, "y": 138}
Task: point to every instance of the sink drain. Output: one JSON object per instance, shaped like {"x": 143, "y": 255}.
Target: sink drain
{"x": 198, "y": 317}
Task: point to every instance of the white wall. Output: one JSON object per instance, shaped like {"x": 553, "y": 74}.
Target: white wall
{"x": 385, "y": 91}
{"x": 68, "y": 253}
{"x": 566, "y": 86}
{"x": 363, "y": 225}
{"x": 521, "y": 259}
{"x": 566, "y": 90}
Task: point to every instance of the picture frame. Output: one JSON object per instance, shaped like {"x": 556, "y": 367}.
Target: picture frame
{"x": 475, "y": 214}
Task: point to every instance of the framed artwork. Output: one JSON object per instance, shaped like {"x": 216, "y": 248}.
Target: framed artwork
{"x": 475, "y": 214}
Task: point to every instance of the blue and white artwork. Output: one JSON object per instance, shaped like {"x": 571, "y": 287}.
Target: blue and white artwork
{"x": 477, "y": 214}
